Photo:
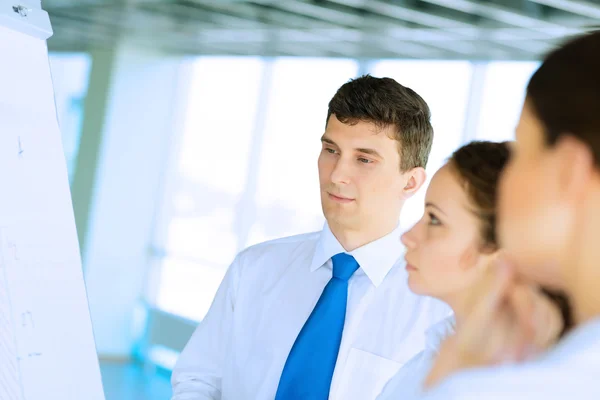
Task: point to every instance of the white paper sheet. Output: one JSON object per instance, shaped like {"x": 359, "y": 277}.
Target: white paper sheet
{"x": 47, "y": 348}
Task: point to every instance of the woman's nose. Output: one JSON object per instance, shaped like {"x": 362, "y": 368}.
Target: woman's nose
{"x": 408, "y": 240}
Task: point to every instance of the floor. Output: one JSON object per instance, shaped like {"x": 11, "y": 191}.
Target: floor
{"x": 132, "y": 382}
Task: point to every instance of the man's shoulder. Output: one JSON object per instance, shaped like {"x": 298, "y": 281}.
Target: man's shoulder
{"x": 281, "y": 246}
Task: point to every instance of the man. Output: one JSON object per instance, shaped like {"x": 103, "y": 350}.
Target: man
{"x": 327, "y": 314}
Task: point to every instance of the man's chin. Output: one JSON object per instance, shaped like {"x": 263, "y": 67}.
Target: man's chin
{"x": 341, "y": 219}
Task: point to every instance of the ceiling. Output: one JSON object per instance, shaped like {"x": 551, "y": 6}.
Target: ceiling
{"x": 424, "y": 29}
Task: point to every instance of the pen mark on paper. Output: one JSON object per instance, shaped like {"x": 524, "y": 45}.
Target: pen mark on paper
{"x": 21, "y": 150}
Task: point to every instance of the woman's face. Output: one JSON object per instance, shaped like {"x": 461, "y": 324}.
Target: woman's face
{"x": 444, "y": 249}
{"x": 533, "y": 219}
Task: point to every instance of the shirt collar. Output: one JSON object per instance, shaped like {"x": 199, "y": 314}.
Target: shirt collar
{"x": 437, "y": 333}
{"x": 376, "y": 259}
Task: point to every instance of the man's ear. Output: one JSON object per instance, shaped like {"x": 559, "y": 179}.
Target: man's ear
{"x": 416, "y": 179}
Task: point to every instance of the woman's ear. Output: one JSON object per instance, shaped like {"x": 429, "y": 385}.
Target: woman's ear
{"x": 485, "y": 257}
{"x": 416, "y": 179}
{"x": 491, "y": 257}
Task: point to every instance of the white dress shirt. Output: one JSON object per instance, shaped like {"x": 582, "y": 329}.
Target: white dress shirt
{"x": 409, "y": 380}
{"x": 570, "y": 371}
{"x": 239, "y": 349}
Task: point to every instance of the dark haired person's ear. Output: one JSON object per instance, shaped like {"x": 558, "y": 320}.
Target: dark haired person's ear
{"x": 576, "y": 163}
{"x": 416, "y": 179}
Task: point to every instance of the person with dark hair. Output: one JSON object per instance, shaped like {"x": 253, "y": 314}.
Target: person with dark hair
{"x": 327, "y": 314}
{"x": 450, "y": 248}
{"x": 549, "y": 225}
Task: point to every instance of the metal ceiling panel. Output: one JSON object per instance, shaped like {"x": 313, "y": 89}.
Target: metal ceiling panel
{"x": 435, "y": 29}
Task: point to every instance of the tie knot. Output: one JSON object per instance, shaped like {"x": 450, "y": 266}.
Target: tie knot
{"x": 344, "y": 266}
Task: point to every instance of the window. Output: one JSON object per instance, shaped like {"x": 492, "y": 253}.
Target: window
{"x": 206, "y": 195}
{"x": 503, "y": 94}
{"x": 70, "y": 74}
{"x": 444, "y": 85}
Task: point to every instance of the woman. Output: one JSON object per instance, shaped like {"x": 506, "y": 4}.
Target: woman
{"x": 449, "y": 249}
{"x": 549, "y": 224}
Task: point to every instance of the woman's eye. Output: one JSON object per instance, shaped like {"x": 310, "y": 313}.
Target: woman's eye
{"x": 433, "y": 220}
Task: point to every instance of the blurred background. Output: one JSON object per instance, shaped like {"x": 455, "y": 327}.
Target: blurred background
{"x": 191, "y": 130}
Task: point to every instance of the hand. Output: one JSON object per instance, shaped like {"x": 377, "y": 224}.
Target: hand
{"x": 547, "y": 321}
{"x": 480, "y": 338}
{"x": 507, "y": 321}
{"x": 535, "y": 315}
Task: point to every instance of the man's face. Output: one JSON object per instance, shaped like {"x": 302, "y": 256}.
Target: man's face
{"x": 362, "y": 187}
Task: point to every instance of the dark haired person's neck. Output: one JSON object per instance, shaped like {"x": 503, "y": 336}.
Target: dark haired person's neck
{"x": 352, "y": 239}
{"x": 584, "y": 263}
{"x": 585, "y": 293}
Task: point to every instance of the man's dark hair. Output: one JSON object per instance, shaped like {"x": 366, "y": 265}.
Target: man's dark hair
{"x": 565, "y": 92}
{"x": 384, "y": 102}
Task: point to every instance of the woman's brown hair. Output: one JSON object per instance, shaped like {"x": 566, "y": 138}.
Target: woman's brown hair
{"x": 479, "y": 165}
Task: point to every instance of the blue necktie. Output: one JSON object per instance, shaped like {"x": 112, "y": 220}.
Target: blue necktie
{"x": 309, "y": 367}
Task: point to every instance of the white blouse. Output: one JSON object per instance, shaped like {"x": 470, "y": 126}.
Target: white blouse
{"x": 408, "y": 382}
{"x": 570, "y": 371}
